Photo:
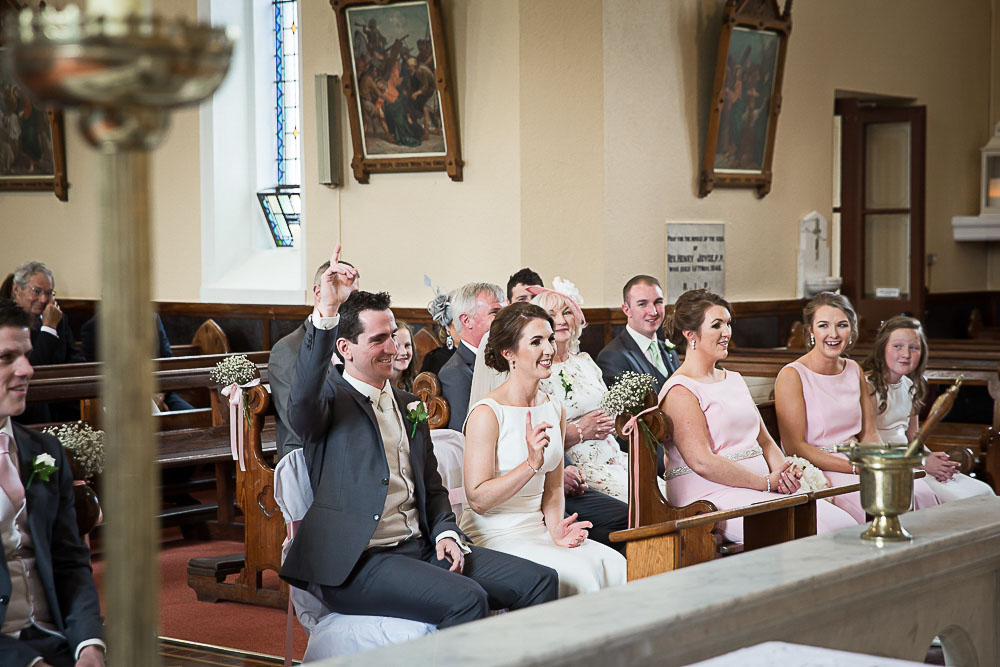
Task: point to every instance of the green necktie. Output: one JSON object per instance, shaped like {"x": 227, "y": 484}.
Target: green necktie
{"x": 654, "y": 354}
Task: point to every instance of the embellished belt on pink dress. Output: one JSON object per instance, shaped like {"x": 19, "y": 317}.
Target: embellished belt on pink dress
{"x": 735, "y": 456}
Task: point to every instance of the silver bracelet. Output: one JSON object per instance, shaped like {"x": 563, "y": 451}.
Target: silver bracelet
{"x": 768, "y": 478}
{"x": 579, "y": 431}
{"x": 528, "y": 463}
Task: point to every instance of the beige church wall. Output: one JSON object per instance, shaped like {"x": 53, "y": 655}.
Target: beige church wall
{"x": 562, "y": 143}
{"x": 399, "y": 227}
{"x": 66, "y": 235}
{"x": 659, "y": 63}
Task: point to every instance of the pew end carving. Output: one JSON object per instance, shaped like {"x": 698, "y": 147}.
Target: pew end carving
{"x": 264, "y": 525}
{"x": 427, "y": 388}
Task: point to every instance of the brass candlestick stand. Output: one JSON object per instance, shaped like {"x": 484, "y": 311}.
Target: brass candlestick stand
{"x": 887, "y": 474}
{"x": 125, "y": 72}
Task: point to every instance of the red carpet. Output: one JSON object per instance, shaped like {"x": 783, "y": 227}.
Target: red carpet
{"x": 230, "y": 624}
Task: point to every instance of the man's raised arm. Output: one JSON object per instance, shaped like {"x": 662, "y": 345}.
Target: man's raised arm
{"x": 308, "y": 402}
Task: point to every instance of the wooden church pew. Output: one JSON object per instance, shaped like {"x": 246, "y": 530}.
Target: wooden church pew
{"x": 662, "y": 537}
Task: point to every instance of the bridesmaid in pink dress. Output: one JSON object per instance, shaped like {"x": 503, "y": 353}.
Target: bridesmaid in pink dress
{"x": 818, "y": 398}
{"x": 721, "y": 450}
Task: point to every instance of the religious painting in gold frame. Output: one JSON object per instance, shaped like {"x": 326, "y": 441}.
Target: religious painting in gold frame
{"x": 32, "y": 144}
{"x": 398, "y": 85}
{"x": 746, "y": 96}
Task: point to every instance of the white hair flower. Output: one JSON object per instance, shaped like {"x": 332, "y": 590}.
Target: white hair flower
{"x": 567, "y": 288}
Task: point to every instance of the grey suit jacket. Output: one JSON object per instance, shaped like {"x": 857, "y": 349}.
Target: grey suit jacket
{"x": 62, "y": 560}
{"x": 348, "y": 469}
{"x": 622, "y": 354}
{"x": 456, "y": 384}
{"x": 280, "y": 368}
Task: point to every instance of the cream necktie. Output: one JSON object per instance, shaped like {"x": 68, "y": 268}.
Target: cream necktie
{"x": 10, "y": 482}
{"x": 654, "y": 355}
{"x": 387, "y": 421}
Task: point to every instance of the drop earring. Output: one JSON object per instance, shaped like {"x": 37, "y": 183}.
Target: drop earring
{"x": 513, "y": 364}
{"x": 694, "y": 344}
{"x": 812, "y": 341}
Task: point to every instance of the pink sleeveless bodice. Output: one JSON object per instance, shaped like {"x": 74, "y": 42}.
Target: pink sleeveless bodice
{"x": 833, "y": 404}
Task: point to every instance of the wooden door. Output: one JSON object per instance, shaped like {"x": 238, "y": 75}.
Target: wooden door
{"x": 882, "y": 210}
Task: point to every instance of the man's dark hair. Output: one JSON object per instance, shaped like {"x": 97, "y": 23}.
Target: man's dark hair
{"x": 12, "y": 315}
{"x": 640, "y": 279}
{"x": 523, "y": 277}
{"x": 350, "y": 322}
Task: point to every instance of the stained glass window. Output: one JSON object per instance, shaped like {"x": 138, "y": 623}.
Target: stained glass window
{"x": 281, "y": 204}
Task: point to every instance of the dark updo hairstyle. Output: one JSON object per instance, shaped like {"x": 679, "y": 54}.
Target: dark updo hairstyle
{"x": 875, "y": 368}
{"x": 506, "y": 330}
{"x": 834, "y": 300}
{"x": 689, "y": 314}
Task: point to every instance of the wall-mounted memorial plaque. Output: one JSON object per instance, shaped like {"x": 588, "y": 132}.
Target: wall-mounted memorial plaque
{"x": 696, "y": 257}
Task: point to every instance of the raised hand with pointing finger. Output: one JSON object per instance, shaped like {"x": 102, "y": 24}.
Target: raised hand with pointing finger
{"x": 538, "y": 439}
{"x": 336, "y": 285}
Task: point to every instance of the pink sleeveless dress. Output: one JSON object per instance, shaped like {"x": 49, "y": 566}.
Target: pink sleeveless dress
{"x": 733, "y": 424}
{"x": 833, "y": 416}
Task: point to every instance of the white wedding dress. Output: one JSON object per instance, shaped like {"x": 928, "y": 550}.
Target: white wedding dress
{"x": 578, "y": 384}
{"x": 517, "y": 526}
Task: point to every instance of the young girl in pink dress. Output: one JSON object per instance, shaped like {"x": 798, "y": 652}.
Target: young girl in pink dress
{"x": 721, "y": 450}
{"x": 822, "y": 400}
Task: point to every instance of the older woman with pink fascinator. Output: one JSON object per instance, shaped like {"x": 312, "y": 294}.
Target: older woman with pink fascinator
{"x": 577, "y": 383}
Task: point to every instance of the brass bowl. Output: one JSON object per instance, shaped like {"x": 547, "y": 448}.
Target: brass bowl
{"x": 886, "y": 487}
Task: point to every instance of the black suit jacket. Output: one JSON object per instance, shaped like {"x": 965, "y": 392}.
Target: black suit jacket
{"x": 348, "y": 469}
{"x": 622, "y": 354}
{"x": 62, "y": 561}
{"x": 49, "y": 349}
{"x": 456, "y": 384}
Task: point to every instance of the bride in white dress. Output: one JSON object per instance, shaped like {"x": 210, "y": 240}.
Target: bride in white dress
{"x": 514, "y": 462}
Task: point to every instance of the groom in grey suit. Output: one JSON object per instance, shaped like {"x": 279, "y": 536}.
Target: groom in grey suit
{"x": 380, "y": 538}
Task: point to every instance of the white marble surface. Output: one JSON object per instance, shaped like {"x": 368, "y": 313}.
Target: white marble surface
{"x": 831, "y": 590}
{"x": 770, "y": 654}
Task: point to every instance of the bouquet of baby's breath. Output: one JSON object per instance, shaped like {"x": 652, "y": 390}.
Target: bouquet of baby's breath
{"x": 236, "y": 369}
{"x": 628, "y": 395}
{"x": 85, "y": 444}
{"x": 812, "y": 478}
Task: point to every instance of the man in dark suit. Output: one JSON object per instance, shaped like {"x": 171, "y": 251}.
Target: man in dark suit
{"x": 49, "y": 609}
{"x": 637, "y": 348}
{"x": 281, "y": 367}
{"x": 51, "y": 337}
{"x": 474, "y": 306}
{"x": 380, "y": 537}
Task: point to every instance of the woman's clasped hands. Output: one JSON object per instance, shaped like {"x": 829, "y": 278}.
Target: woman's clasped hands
{"x": 785, "y": 479}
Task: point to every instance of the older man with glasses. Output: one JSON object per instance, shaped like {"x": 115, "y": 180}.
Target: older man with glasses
{"x": 51, "y": 337}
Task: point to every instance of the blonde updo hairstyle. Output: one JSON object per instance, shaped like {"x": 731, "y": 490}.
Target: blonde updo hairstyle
{"x": 834, "y": 300}
{"x": 553, "y": 301}
{"x": 689, "y": 314}
{"x": 506, "y": 330}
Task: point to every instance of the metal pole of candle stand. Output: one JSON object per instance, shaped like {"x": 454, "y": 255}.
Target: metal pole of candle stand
{"x": 125, "y": 74}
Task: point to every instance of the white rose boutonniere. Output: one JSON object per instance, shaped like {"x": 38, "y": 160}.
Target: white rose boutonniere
{"x": 416, "y": 412}
{"x": 42, "y": 468}
{"x": 668, "y": 344}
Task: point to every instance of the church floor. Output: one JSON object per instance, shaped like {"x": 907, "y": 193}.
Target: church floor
{"x": 242, "y": 628}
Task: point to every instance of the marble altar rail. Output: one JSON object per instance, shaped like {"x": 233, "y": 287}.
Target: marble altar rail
{"x": 830, "y": 590}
